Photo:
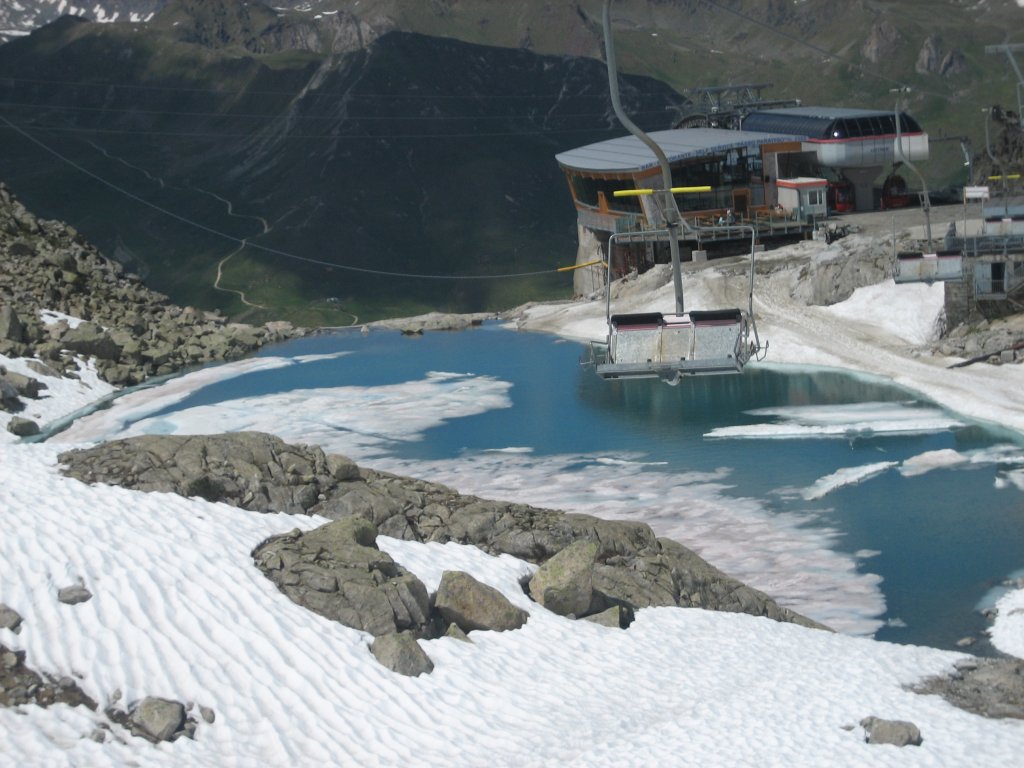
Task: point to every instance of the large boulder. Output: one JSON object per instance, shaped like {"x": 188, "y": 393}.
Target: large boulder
{"x": 157, "y": 719}
{"x": 9, "y": 618}
{"x": 9, "y": 396}
{"x": 472, "y": 605}
{"x": 337, "y": 571}
{"x": 899, "y": 733}
{"x": 565, "y": 584}
{"x": 26, "y": 385}
{"x": 91, "y": 339}
{"x": 22, "y": 427}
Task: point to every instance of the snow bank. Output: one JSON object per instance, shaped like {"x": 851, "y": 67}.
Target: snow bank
{"x": 180, "y": 611}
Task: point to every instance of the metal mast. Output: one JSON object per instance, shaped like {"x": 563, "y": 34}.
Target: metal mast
{"x": 664, "y": 199}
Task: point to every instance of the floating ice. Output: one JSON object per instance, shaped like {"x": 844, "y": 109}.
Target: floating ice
{"x": 357, "y": 421}
{"x": 846, "y": 476}
{"x": 842, "y": 420}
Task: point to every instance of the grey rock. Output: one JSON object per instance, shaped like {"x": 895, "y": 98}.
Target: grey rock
{"x": 472, "y": 605}
{"x": 897, "y": 732}
{"x": 9, "y": 618}
{"x": 564, "y": 584}
{"x": 26, "y": 385}
{"x": 22, "y": 427}
{"x": 207, "y": 714}
{"x": 400, "y": 653}
{"x": 90, "y": 339}
{"x": 11, "y": 327}
{"x": 74, "y": 594}
{"x": 9, "y": 398}
{"x": 157, "y": 719}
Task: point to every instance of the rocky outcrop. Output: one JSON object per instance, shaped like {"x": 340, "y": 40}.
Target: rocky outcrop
{"x": 881, "y": 43}
{"x": 252, "y": 470}
{"x": 996, "y": 343}
{"x": 632, "y": 567}
{"x": 338, "y": 572}
{"x": 21, "y": 685}
{"x": 133, "y": 333}
{"x": 932, "y": 61}
{"x": 987, "y": 687}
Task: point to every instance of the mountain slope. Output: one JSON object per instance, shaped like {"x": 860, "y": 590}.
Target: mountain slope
{"x": 318, "y": 129}
{"x": 416, "y": 155}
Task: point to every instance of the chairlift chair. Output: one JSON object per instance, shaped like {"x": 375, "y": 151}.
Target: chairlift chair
{"x": 669, "y": 346}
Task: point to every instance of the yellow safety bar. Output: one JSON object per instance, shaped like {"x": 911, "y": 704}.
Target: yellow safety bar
{"x": 990, "y": 178}
{"x": 581, "y": 266}
{"x": 674, "y": 190}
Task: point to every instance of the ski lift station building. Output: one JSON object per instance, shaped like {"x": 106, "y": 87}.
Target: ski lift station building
{"x": 744, "y": 169}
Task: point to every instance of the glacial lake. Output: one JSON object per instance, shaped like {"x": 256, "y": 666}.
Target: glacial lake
{"x": 844, "y": 497}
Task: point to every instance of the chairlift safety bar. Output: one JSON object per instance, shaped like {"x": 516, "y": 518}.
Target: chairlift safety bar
{"x": 648, "y": 191}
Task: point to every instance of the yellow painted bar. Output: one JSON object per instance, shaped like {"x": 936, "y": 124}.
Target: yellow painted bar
{"x": 581, "y": 266}
{"x": 675, "y": 191}
{"x": 990, "y": 178}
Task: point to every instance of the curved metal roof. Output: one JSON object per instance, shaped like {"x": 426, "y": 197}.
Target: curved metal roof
{"x": 627, "y": 154}
{"x": 830, "y": 122}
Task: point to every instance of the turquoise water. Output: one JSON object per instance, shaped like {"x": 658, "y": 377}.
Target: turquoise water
{"x": 736, "y": 461}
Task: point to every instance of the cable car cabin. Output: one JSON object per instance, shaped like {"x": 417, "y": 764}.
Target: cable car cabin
{"x": 894, "y": 193}
{"x": 655, "y": 345}
{"x": 841, "y": 196}
{"x": 929, "y": 267}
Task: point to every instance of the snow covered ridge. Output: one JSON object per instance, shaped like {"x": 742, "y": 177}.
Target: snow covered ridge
{"x": 19, "y": 17}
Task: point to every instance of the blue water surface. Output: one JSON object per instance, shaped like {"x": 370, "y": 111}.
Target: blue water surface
{"x": 944, "y": 539}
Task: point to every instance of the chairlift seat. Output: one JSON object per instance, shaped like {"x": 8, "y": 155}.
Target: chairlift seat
{"x": 655, "y": 345}
{"x": 914, "y": 267}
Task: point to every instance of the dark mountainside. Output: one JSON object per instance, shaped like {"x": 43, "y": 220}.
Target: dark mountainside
{"x": 416, "y": 155}
{"x": 326, "y": 130}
